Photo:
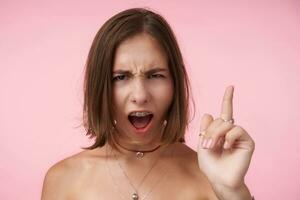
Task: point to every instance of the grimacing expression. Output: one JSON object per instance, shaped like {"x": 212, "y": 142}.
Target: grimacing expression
{"x": 141, "y": 82}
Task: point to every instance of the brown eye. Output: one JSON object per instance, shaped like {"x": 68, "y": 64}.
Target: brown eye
{"x": 156, "y": 76}
{"x": 119, "y": 78}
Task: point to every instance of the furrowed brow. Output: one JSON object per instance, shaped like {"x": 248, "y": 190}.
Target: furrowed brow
{"x": 150, "y": 71}
{"x": 121, "y": 71}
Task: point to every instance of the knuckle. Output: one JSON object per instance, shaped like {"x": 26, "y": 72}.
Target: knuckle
{"x": 216, "y": 134}
{"x": 219, "y": 119}
{"x": 239, "y": 128}
{"x": 229, "y": 137}
{"x": 207, "y": 115}
{"x": 228, "y": 125}
{"x": 253, "y": 144}
{"x": 207, "y": 133}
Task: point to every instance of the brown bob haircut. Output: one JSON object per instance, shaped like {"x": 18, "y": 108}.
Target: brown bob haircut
{"x": 98, "y": 117}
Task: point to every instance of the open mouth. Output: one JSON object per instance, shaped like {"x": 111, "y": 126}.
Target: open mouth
{"x": 140, "y": 122}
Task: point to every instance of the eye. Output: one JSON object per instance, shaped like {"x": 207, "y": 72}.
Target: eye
{"x": 119, "y": 78}
{"x": 156, "y": 76}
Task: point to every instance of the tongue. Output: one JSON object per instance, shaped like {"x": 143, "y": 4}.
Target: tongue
{"x": 140, "y": 122}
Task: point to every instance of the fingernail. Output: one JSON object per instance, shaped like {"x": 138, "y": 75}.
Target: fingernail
{"x": 208, "y": 144}
{"x": 203, "y": 144}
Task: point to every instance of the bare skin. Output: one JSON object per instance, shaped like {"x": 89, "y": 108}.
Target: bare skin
{"x": 86, "y": 176}
{"x": 176, "y": 175}
{"x": 142, "y": 82}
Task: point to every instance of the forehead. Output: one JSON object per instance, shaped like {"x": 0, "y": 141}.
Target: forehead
{"x": 140, "y": 51}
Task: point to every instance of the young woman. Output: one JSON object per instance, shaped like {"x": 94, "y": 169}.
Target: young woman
{"x": 136, "y": 107}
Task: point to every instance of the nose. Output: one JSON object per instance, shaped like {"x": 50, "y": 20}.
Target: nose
{"x": 139, "y": 93}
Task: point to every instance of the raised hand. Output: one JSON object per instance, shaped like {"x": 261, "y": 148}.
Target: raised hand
{"x": 224, "y": 149}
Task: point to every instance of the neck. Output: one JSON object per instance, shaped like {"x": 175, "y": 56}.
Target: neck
{"x": 163, "y": 155}
{"x": 129, "y": 156}
{"x": 131, "y": 146}
{"x": 139, "y": 148}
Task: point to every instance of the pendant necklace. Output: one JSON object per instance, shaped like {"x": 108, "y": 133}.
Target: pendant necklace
{"x": 134, "y": 195}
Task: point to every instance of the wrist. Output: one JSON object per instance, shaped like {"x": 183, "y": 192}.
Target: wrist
{"x": 228, "y": 193}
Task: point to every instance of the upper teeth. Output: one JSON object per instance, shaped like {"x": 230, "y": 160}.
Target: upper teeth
{"x": 140, "y": 114}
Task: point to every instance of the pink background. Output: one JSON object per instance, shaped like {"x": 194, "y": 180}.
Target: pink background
{"x": 253, "y": 45}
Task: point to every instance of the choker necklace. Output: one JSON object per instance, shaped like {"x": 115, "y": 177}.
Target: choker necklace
{"x": 139, "y": 154}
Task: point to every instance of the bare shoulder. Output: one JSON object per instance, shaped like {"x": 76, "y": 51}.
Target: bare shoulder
{"x": 187, "y": 161}
{"x": 65, "y": 175}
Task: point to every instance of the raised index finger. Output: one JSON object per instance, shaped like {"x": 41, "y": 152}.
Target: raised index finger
{"x": 227, "y": 107}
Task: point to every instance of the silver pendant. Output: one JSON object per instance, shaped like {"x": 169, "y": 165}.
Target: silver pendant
{"x": 135, "y": 196}
{"x": 139, "y": 154}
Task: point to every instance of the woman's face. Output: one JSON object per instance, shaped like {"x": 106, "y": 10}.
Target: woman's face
{"x": 142, "y": 90}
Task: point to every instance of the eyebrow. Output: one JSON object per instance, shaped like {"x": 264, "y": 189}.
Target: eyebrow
{"x": 150, "y": 71}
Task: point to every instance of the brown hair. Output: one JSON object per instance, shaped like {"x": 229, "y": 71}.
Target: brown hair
{"x": 97, "y": 109}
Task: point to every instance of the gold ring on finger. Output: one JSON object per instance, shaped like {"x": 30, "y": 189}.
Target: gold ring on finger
{"x": 228, "y": 120}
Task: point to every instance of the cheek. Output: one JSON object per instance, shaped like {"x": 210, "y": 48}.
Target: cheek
{"x": 118, "y": 96}
{"x": 164, "y": 93}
